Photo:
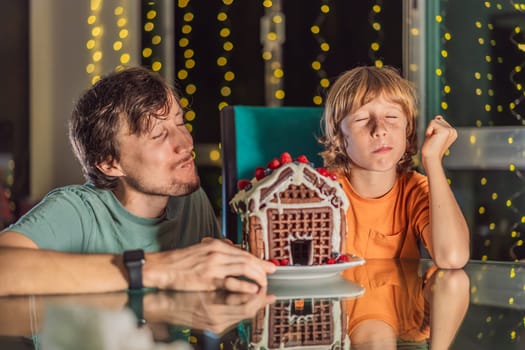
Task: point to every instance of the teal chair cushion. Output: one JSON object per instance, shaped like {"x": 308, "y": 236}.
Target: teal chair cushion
{"x": 252, "y": 135}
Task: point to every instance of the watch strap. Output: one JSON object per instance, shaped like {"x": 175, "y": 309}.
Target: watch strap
{"x": 133, "y": 260}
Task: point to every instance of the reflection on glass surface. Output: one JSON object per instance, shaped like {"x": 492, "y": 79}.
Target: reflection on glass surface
{"x": 384, "y": 304}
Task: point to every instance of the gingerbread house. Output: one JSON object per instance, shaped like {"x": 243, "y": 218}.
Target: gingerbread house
{"x": 301, "y": 324}
{"x": 292, "y": 213}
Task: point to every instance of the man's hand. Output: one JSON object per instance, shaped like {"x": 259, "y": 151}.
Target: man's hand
{"x": 440, "y": 135}
{"x": 210, "y": 265}
{"x": 212, "y": 311}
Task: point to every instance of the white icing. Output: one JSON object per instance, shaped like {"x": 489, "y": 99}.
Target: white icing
{"x": 254, "y": 194}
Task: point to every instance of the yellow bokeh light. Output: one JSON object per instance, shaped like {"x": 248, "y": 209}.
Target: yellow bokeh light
{"x": 188, "y": 53}
{"x": 481, "y": 41}
{"x": 317, "y": 100}
{"x": 483, "y": 181}
{"x": 439, "y": 72}
{"x": 147, "y": 52}
{"x": 272, "y": 36}
{"x": 189, "y": 127}
{"x": 481, "y": 210}
{"x": 374, "y": 46}
{"x": 183, "y": 3}
{"x": 215, "y": 155}
{"x": 90, "y": 44}
{"x": 444, "y": 53}
{"x": 325, "y": 47}
{"x": 479, "y": 92}
{"x": 315, "y": 29}
{"x": 148, "y": 26}
{"x": 156, "y": 66}
{"x": 191, "y": 89}
{"x": 156, "y": 39}
{"x": 226, "y": 91}
{"x": 227, "y": 46}
{"x": 119, "y": 10}
{"x": 508, "y": 203}
{"x": 439, "y": 19}
{"x": 117, "y": 45}
{"x": 222, "y": 61}
{"x": 125, "y": 58}
{"x": 190, "y": 115}
{"x": 186, "y": 29}
{"x": 184, "y": 102}
{"x": 90, "y": 68}
{"x": 222, "y": 105}
{"x": 277, "y": 19}
{"x": 444, "y": 105}
{"x": 94, "y": 5}
{"x": 376, "y": 8}
{"x": 222, "y": 16}
{"x": 97, "y": 56}
{"x": 151, "y": 14}
{"x": 184, "y": 42}
{"x": 279, "y": 94}
{"x": 478, "y": 24}
{"x": 224, "y": 32}
{"x": 91, "y": 19}
{"x": 325, "y": 8}
{"x": 512, "y": 167}
{"x": 229, "y": 76}
{"x": 477, "y": 75}
{"x": 182, "y": 74}
{"x": 377, "y": 27}
{"x": 447, "y": 36}
{"x": 267, "y": 3}
{"x": 123, "y": 33}
{"x": 96, "y": 31}
{"x": 494, "y": 196}
{"x": 472, "y": 139}
{"x": 189, "y": 64}
{"x": 267, "y": 55}
{"x": 227, "y": 2}
{"x": 510, "y": 140}
{"x": 122, "y": 22}
{"x": 488, "y": 108}
{"x": 316, "y": 65}
{"x": 95, "y": 79}
{"x": 188, "y": 17}
{"x": 324, "y": 83}
{"x": 278, "y": 73}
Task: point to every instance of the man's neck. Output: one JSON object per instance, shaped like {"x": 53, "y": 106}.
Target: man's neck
{"x": 141, "y": 204}
{"x": 369, "y": 184}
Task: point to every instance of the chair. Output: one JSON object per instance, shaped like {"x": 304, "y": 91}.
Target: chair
{"x": 251, "y": 136}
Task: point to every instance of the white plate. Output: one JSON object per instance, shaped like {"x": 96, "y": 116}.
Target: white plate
{"x": 332, "y": 287}
{"x": 314, "y": 271}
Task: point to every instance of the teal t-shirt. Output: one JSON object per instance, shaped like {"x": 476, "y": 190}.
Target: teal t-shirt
{"x": 85, "y": 219}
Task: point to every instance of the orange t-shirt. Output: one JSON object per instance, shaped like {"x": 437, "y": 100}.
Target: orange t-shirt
{"x": 394, "y": 294}
{"x": 389, "y": 226}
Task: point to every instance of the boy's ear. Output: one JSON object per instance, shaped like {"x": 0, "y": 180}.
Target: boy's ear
{"x": 110, "y": 167}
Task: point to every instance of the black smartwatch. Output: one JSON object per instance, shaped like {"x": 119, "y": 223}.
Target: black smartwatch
{"x": 133, "y": 260}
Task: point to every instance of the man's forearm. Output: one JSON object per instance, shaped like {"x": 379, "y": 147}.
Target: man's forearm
{"x": 36, "y": 271}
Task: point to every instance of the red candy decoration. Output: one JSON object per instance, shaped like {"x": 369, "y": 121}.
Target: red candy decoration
{"x": 242, "y": 184}
{"x": 285, "y": 262}
{"x": 342, "y": 258}
{"x": 286, "y": 158}
{"x": 275, "y": 262}
{"x": 331, "y": 261}
{"x": 259, "y": 173}
{"x": 303, "y": 159}
{"x": 274, "y": 164}
{"x": 322, "y": 171}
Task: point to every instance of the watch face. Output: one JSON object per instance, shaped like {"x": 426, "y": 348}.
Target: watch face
{"x": 133, "y": 255}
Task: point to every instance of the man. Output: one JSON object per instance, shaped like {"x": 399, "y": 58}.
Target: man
{"x": 143, "y": 194}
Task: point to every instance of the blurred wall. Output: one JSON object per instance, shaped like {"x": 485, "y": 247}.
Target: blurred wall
{"x": 59, "y": 57}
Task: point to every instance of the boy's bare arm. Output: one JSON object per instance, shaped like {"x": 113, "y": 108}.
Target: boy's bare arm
{"x": 448, "y": 231}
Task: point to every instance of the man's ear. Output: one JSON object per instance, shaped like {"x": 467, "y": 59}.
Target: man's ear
{"x": 110, "y": 167}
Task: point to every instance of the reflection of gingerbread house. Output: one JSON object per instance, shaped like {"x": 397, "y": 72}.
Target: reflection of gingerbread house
{"x": 295, "y": 214}
{"x": 301, "y": 324}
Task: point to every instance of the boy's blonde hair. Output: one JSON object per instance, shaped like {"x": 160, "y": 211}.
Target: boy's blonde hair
{"x": 352, "y": 90}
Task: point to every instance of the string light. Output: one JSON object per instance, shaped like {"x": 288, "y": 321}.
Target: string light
{"x": 272, "y": 39}
{"x": 377, "y": 44}
{"x": 323, "y": 50}
{"x": 188, "y": 64}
